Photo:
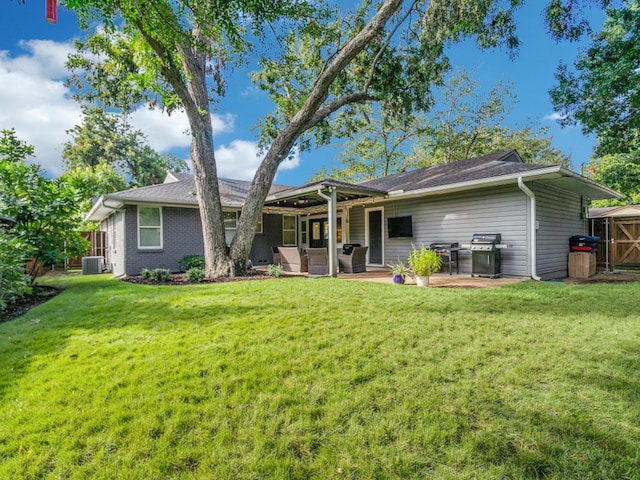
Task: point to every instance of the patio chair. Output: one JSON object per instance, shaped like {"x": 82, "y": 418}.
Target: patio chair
{"x": 356, "y": 262}
{"x": 292, "y": 260}
{"x": 318, "y": 261}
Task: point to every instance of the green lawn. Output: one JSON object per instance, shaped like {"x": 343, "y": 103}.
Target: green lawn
{"x": 323, "y": 379}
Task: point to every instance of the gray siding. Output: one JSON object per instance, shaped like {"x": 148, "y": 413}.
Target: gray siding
{"x": 559, "y": 216}
{"x": 455, "y": 218}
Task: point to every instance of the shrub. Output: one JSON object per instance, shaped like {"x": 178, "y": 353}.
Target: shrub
{"x": 194, "y": 275}
{"x": 14, "y": 283}
{"x": 158, "y": 275}
{"x": 274, "y": 270}
{"x": 191, "y": 261}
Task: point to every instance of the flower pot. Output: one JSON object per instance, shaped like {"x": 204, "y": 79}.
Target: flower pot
{"x": 399, "y": 279}
{"x": 422, "y": 281}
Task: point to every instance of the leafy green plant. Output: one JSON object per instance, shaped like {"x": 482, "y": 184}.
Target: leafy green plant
{"x": 399, "y": 268}
{"x": 191, "y": 261}
{"x": 194, "y": 275}
{"x": 274, "y": 270}
{"x": 158, "y": 275}
{"x": 424, "y": 262}
{"x": 14, "y": 283}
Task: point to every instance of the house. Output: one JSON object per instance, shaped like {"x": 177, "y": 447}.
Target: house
{"x": 535, "y": 208}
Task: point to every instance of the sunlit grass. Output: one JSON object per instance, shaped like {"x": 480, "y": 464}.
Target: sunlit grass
{"x": 322, "y": 378}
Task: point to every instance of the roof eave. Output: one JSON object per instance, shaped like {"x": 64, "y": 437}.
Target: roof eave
{"x": 547, "y": 173}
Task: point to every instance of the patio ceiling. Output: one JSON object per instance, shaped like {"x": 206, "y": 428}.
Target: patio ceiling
{"x": 310, "y": 196}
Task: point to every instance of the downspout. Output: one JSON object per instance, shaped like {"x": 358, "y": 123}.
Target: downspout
{"x": 333, "y": 226}
{"x": 532, "y": 227}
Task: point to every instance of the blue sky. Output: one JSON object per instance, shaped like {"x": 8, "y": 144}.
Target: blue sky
{"x": 34, "y": 101}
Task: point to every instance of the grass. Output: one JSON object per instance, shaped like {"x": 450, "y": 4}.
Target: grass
{"x": 322, "y": 378}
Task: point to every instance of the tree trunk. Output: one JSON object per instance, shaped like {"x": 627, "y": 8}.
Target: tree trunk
{"x": 310, "y": 114}
{"x": 217, "y": 263}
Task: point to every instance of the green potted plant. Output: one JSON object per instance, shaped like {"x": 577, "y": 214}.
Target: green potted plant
{"x": 424, "y": 263}
{"x": 399, "y": 271}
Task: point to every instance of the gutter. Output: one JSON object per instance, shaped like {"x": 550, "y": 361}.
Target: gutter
{"x": 532, "y": 227}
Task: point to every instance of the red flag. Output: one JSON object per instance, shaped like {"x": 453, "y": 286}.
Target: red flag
{"x": 52, "y": 11}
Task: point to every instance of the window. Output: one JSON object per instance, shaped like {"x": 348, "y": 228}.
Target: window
{"x": 289, "y": 230}
{"x": 149, "y": 227}
{"x": 230, "y": 225}
{"x": 259, "y": 224}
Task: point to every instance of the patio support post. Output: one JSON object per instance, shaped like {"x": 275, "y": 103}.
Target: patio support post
{"x": 332, "y": 200}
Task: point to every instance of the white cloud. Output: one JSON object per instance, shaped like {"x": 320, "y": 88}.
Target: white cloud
{"x": 240, "y": 160}
{"x": 165, "y": 132}
{"x": 35, "y": 101}
{"x": 554, "y": 117}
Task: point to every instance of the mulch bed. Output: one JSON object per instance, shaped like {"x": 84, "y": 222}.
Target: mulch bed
{"x": 40, "y": 294}
{"x": 179, "y": 279}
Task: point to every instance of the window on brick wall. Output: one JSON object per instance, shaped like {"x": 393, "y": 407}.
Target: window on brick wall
{"x": 149, "y": 227}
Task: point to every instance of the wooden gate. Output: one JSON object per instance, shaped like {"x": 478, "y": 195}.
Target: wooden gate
{"x": 624, "y": 251}
{"x": 624, "y": 242}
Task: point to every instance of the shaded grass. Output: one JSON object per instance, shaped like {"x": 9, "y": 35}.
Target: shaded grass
{"x": 322, "y": 378}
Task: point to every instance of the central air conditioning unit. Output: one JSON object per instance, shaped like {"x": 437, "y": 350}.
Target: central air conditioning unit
{"x": 92, "y": 265}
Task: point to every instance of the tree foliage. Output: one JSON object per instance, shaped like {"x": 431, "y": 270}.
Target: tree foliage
{"x": 465, "y": 122}
{"x": 13, "y": 281}
{"x": 108, "y": 139}
{"x": 620, "y": 172}
{"x": 603, "y": 93}
{"x": 45, "y": 210}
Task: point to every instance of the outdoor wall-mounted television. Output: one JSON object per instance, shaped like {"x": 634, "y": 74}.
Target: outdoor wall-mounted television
{"x": 400, "y": 227}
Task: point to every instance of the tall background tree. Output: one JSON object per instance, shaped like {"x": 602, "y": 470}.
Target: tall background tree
{"x": 602, "y": 94}
{"x": 464, "y": 122}
{"x": 105, "y": 144}
{"x": 322, "y": 62}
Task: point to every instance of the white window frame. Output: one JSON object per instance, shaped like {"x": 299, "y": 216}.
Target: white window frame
{"x": 295, "y": 231}
{"x": 228, "y": 230}
{"x": 140, "y": 227}
{"x": 260, "y": 224}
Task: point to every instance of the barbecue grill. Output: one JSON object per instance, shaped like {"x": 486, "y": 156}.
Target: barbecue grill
{"x": 449, "y": 254}
{"x": 485, "y": 255}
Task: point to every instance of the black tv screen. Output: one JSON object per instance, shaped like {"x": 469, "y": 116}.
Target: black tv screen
{"x": 400, "y": 227}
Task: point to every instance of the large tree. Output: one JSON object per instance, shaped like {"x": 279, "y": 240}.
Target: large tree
{"x": 321, "y": 60}
{"x": 602, "y": 93}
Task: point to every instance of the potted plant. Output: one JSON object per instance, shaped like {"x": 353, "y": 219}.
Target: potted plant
{"x": 424, "y": 263}
{"x": 399, "y": 271}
